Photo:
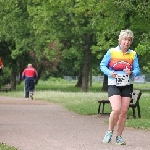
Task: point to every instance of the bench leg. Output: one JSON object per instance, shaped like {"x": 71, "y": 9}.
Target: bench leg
{"x": 99, "y": 107}
{"x": 133, "y": 109}
{"x": 103, "y": 108}
{"x": 139, "y": 113}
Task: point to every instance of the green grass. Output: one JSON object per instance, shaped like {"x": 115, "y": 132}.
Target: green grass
{"x": 6, "y": 147}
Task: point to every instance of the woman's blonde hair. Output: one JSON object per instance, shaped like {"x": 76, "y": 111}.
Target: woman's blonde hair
{"x": 126, "y": 33}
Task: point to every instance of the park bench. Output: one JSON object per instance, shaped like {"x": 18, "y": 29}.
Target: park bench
{"x": 6, "y": 88}
{"x": 134, "y": 103}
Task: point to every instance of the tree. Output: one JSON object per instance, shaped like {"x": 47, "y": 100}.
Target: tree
{"x": 122, "y": 15}
{"x": 69, "y": 34}
{"x": 20, "y": 39}
{"x": 69, "y": 23}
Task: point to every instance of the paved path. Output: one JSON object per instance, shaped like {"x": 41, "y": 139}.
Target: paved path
{"x": 39, "y": 125}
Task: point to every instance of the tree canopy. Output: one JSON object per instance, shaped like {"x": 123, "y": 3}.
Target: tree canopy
{"x": 69, "y": 36}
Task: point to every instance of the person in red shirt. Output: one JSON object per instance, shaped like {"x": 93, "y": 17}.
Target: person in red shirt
{"x": 1, "y": 67}
{"x": 29, "y": 74}
{"x": 1, "y": 64}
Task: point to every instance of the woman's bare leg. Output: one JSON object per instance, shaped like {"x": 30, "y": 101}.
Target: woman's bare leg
{"x": 115, "y": 101}
{"x": 125, "y": 101}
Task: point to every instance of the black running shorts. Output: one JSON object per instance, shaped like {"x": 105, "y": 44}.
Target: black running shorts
{"x": 123, "y": 91}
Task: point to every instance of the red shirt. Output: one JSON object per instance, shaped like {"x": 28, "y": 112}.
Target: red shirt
{"x": 1, "y": 63}
{"x": 29, "y": 73}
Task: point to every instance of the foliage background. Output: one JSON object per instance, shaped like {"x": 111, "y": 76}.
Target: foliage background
{"x": 69, "y": 37}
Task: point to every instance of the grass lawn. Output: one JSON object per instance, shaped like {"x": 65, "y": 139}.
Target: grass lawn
{"x": 6, "y": 147}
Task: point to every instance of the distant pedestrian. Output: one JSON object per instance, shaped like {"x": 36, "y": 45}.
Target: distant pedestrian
{"x": 1, "y": 65}
{"x": 29, "y": 75}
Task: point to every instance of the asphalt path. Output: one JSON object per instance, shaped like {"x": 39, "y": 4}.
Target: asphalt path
{"x": 39, "y": 125}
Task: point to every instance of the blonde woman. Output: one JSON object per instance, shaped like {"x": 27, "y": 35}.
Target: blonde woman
{"x": 120, "y": 64}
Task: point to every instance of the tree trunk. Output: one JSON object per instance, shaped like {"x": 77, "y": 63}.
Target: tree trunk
{"x": 13, "y": 74}
{"x": 87, "y": 62}
{"x": 105, "y": 83}
{"x": 13, "y": 79}
{"x": 91, "y": 77}
{"x": 85, "y": 78}
{"x": 79, "y": 82}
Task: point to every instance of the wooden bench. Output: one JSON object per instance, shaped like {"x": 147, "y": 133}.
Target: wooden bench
{"x": 6, "y": 88}
{"x": 136, "y": 94}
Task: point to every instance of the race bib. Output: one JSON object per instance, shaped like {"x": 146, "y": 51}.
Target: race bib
{"x": 122, "y": 80}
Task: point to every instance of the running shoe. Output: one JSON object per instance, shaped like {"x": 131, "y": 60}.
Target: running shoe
{"x": 120, "y": 141}
{"x": 107, "y": 137}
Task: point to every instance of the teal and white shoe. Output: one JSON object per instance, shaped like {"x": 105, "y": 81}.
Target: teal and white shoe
{"x": 120, "y": 141}
{"x": 107, "y": 137}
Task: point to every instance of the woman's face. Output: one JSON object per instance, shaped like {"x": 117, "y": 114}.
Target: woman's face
{"x": 125, "y": 43}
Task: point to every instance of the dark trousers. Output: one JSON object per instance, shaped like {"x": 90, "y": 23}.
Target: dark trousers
{"x": 29, "y": 87}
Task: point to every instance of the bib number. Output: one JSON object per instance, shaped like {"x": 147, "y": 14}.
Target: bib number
{"x": 122, "y": 80}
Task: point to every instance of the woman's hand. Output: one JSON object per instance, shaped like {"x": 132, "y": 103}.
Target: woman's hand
{"x": 127, "y": 71}
{"x": 113, "y": 74}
